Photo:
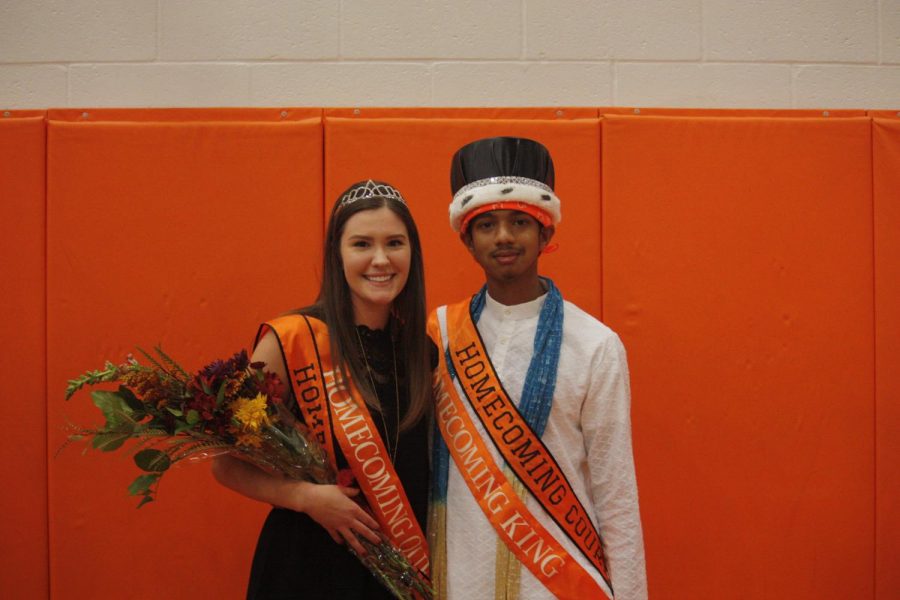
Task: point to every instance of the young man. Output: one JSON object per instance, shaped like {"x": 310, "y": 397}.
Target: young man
{"x": 534, "y": 493}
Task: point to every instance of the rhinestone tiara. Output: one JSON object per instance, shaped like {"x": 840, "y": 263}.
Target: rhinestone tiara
{"x": 371, "y": 190}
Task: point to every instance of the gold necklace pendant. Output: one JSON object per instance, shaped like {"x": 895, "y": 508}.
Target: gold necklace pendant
{"x": 391, "y": 452}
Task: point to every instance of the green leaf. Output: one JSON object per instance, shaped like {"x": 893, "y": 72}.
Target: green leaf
{"x": 147, "y": 498}
{"x": 113, "y": 407}
{"x": 131, "y": 400}
{"x": 142, "y": 484}
{"x": 152, "y": 460}
{"x": 175, "y": 411}
{"x": 193, "y": 417}
{"x": 181, "y": 426}
{"x": 107, "y": 442}
{"x": 156, "y": 423}
{"x": 220, "y": 397}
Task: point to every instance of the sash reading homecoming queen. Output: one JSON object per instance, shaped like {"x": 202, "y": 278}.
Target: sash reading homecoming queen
{"x": 468, "y": 379}
{"x": 329, "y": 408}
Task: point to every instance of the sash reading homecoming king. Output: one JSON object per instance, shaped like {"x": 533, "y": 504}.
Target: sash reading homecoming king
{"x": 340, "y": 410}
{"x": 467, "y": 384}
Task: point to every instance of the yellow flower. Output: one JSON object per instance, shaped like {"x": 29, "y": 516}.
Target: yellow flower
{"x": 251, "y": 414}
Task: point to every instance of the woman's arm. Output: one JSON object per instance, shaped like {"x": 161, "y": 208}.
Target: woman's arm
{"x": 328, "y": 505}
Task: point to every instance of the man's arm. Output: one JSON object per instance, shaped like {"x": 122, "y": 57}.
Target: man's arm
{"x": 606, "y": 424}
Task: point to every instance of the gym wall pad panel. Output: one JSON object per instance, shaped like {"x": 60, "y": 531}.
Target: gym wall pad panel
{"x": 186, "y": 234}
{"x": 886, "y": 159}
{"x": 23, "y": 445}
{"x": 738, "y": 270}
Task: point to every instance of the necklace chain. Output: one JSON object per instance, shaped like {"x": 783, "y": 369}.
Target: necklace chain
{"x": 387, "y": 441}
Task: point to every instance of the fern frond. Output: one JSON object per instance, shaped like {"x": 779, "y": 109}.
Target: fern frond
{"x": 151, "y": 433}
{"x": 144, "y": 441}
{"x": 197, "y": 447}
{"x": 72, "y": 438}
{"x": 167, "y": 376}
{"x": 158, "y": 365}
{"x": 172, "y": 363}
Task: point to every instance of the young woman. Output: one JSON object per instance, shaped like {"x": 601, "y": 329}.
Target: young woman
{"x": 367, "y": 325}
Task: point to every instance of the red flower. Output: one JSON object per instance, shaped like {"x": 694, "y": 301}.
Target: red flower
{"x": 272, "y": 387}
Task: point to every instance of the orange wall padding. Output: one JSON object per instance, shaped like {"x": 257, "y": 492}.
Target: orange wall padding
{"x": 787, "y": 113}
{"x": 731, "y": 249}
{"x": 186, "y": 234}
{"x": 886, "y": 158}
{"x": 23, "y": 444}
{"x": 738, "y": 271}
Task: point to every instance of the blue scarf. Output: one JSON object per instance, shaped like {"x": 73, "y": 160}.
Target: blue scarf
{"x": 540, "y": 380}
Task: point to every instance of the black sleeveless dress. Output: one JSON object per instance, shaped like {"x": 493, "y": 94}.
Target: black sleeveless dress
{"x": 295, "y": 557}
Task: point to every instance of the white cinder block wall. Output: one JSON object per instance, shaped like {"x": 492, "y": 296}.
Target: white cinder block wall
{"x": 696, "y": 53}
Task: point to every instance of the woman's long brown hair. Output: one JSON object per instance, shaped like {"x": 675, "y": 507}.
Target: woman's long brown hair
{"x": 334, "y": 306}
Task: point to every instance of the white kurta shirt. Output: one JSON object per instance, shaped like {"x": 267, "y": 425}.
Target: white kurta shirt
{"x": 589, "y": 434}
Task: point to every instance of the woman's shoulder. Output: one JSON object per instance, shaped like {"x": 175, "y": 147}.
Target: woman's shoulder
{"x": 312, "y": 315}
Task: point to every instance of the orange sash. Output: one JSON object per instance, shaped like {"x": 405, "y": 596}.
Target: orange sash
{"x": 332, "y": 410}
{"x": 532, "y": 544}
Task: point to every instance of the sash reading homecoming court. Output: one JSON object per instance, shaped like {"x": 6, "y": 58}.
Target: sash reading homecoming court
{"x": 334, "y": 411}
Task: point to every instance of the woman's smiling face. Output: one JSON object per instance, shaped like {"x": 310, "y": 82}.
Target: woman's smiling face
{"x": 376, "y": 254}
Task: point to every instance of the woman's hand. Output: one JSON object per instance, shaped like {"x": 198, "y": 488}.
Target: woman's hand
{"x": 331, "y": 507}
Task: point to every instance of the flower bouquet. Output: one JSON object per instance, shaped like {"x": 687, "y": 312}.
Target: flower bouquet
{"x": 229, "y": 406}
